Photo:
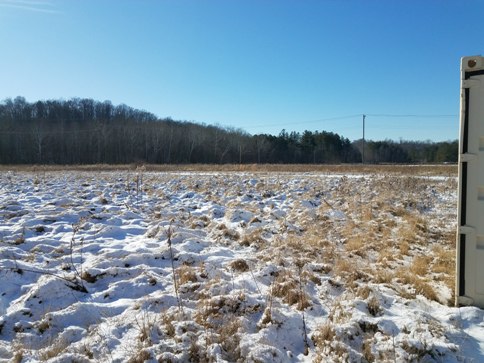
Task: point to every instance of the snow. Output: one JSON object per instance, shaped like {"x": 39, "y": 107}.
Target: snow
{"x": 282, "y": 267}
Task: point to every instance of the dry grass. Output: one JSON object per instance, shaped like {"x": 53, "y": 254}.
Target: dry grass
{"x": 229, "y": 338}
{"x": 43, "y": 326}
{"x": 323, "y": 335}
{"x": 420, "y": 285}
{"x": 444, "y": 260}
{"x": 55, "y": 349}
{"x": 335, "y": 352}
{"x": 445, "y": 170}
{"x": 311, "y": 276}
{"x": 254, "y": 238}
{"x": 239, "y": 265}
{"x": 420, "y": 265}
{"x": 356, "y": 244}
{"x": 140, "y": 357}
{"x": 186, "y": 274}
{"x": 350, "y": 271}
{"x": 382, "y": 275}
{"x": 18, "y": 351}
{"x": 287, "y": 287}
{"x": 364, "y": 292}
{"x": 167, "y": 321}
{"x": 343, "y": 267}
{"x": 404, "y": 248}
{"x": 338, "y": 313}
{"x": 378, "y": 242}
{"x": 373, "y": 306}
{"x": 367, "y": 352}
{"x": 414, "y": 226}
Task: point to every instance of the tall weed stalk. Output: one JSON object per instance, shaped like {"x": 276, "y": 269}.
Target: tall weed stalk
{"x": 169, "y": 235}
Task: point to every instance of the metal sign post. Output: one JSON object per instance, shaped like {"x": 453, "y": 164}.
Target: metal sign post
{"x": 470, "y": 229}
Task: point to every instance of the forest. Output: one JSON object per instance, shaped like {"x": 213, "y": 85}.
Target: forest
{"x": 85, "y": 131}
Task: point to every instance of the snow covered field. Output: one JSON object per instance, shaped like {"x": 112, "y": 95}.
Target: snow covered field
{"x": 231, "y": 266}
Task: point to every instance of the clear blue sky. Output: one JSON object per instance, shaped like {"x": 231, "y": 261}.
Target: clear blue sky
{"x": 256, "y": 65}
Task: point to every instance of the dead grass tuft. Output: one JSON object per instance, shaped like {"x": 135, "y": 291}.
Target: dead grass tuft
{"x": 323, "y": 335}
{"x": 420, "y": 265}
{"x": 167, "y": 321}
{"x": 86, "y": 276}
{"x": 266, "y": 317}
{"x": 398, "y": 211}
{"x": 444, "y": 260}
{"x": 43, "y": 326}
{"x": 212, "y": 309}
{"x": 140, "y": 357}
{"x": 350, "y": 272}
{"x": 367, "y": 351}
{"x": 386, "y": 256}
{"x": 186, "y": 274}
{"x": 286, "y": 286}
{"x": 253, "y": 238}
{"x": 311, "y": 276}
{"x": 404, "y": 248}
{"x": 373, "y": 306}
{"x": 339, "y": 314}
{"x": 343, "y": 267}
{"x": 19, "y": 240}
{"x": 239, "y": 265}
{"x": 382, "y": 276}
{"x": 416, "y": 353}
{"x": 419, "y": 284}
{"x": 229, "y": 339}
{"x": 363, "y": 292}
{"x": 356, "y": 244}
{"x": 18, "y": 351}
{"x": 231, "y": 234}
{"x": 53, "y": 350}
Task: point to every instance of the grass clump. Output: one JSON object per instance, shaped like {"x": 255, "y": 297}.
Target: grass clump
{"x": 239, "y": 265}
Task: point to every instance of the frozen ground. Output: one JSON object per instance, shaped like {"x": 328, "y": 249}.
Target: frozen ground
{"x": 248, "y": 267}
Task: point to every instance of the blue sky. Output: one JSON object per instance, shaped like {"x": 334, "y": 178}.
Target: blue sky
{"x": 256, "y": 65}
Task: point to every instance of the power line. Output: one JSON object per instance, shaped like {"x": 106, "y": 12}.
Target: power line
{"x": 408, "y": 115}
{"x": 307, "y": 122}
{"x": 355, "y": 116}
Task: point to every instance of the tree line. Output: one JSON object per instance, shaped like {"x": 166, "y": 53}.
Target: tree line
{"x": 85, "y": 131}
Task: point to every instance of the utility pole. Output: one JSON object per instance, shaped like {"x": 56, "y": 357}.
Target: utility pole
{"x": 363, "y": 146}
